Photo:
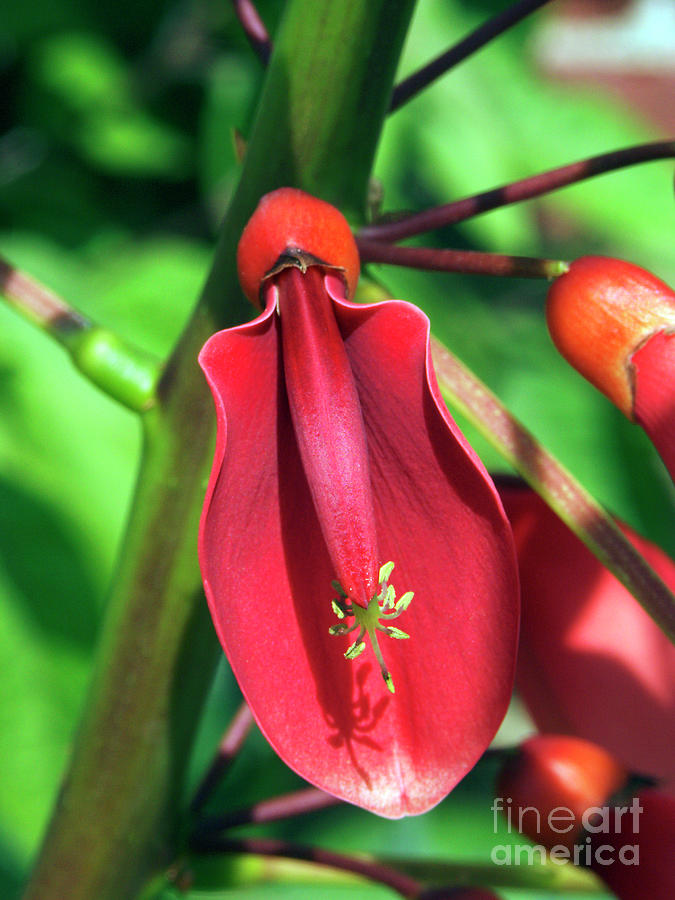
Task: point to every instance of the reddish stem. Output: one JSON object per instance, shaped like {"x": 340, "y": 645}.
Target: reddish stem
{"x": 283, "y": 807}
{"x": 517, "y": 191}
{"x": 254, "y": 28}
{"x": 230, "y": 745}
{"x": 485, "y": 33}
{"x": 470, "y": 262}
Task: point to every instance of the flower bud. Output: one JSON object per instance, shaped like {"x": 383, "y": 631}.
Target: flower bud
{"x": 289, "y": 219}
{"x": 552, "y": 781}
{"x": 600, "y": 313}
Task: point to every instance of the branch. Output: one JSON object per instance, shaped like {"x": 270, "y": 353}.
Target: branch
{"x": 228, "y": 749}
{"x": 517, "y": 191}
{"x": 124, "y": 372}
{"x": 375, "y": 871}
{"x": 485, "y": 33}
{"x": 254, "y": 29}
{"x": 471, "y": 262}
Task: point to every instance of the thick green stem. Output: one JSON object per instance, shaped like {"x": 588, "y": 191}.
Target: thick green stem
{"x": 156, "y": 660}
{"x": 118, "y": 815}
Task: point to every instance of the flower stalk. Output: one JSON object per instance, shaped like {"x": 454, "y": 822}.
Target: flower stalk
{"x": 408, "y": 225}
{"x": 486, "y": 32}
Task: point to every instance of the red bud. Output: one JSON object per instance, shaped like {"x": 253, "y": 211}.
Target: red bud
{"x": 599, "y": 313}
{"x": 289, "y": 219}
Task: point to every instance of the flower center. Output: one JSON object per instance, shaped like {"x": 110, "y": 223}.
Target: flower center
{"x": 383, "y": 605}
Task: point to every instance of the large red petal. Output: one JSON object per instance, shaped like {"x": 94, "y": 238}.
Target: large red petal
{"x": 267, "y": 573}
{"x": 591, "y": 662}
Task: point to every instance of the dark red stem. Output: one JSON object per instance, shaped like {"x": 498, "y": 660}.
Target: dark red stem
{"x": 403, "y": 884}
{"x": 283, "y": 807}
{"x": 470, "y": 262}
{"x": 486, "y": 32}
{"x": 254, "y": 28}
{"x": 517, "y": 191}
{"x": 230, "y": 745}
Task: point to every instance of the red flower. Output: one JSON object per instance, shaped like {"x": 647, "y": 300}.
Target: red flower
{"x": 591, "y": 662}
{"x": 615, "y": 323}
{"x": 336, "y": 459}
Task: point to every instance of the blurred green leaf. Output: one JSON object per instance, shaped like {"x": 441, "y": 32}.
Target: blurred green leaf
{"x": 145, "y": 289}
{"x": 88, "y": 96}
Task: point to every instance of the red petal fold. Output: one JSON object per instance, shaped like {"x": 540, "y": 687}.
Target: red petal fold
{"x": 654, "y": 394}
{"x": 328, "y": 426}
{"x": 267, "y": 572}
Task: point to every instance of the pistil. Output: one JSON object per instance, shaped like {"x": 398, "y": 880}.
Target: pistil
{"x": 326, "y": 414}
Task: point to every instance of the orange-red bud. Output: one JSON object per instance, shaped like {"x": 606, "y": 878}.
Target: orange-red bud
{"x": 289, "y": 219}
{"x": 552, "y": 781}
{"x": 599, "y": 313}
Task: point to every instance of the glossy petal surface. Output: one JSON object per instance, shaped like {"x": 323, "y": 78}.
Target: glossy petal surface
{"x": 591, "y": 662}
{"x": 267, "y": 573}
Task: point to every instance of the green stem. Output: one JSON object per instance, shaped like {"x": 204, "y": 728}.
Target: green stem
{"x": 118, "y": 817}
{"x": 246, "y": 870}
{"x": 285, "y": 863}
{"x": 369, "y": 867}
{"x": 539, "y": 876}
{"x": 122, "y": 371}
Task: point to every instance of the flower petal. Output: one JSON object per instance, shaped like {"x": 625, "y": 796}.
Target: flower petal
{"x": 267, "y": 573}
{"x": 591, "y": 662}
{"x": 328, "y": 424}
{"x": 654, "y": 394}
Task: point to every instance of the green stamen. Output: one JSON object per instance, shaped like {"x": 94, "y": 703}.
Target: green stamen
{"x": 381, "y": 606}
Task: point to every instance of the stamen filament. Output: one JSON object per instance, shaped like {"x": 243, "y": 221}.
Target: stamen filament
{"x": 381, "y": 606}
